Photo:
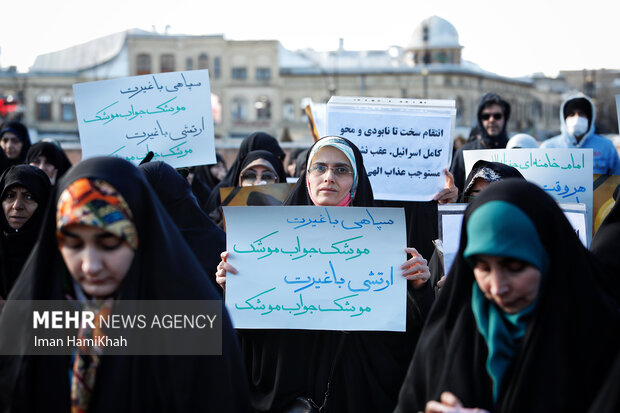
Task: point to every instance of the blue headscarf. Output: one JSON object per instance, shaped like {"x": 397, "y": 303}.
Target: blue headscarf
{"x": 499, "y": 228}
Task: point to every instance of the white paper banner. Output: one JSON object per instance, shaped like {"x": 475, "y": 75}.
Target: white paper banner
{"x": 316, "y": 268}
{"x": 406, "y": 144}
{"x": 564, "y": 173}
{"x": 167, "y": 113}
{"x": 451, "y": 220}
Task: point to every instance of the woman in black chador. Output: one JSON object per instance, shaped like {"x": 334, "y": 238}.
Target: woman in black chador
{"x": 106, "y": 237}
{"x": 522, "y": 323}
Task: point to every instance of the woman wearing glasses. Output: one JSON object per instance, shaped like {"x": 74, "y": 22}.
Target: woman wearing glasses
{"x": 341, "y": 371}
{"x": 260, "y": 168}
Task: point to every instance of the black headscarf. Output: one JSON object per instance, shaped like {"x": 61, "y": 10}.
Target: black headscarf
{"x": 163, "y": 268}
{"x": 205, "y": 238}
{"x": 605, "y": 246}
{"x": 4, "y": 162}
{"x": 276, "y": 165}
{"x": 498, "y": 171}
{"x": 368, "y": 367}
{"x": 204, "y": 174}
{"x": 54, "y": 155}
{"x": 217, "y": 215}
{"x": 550, "y": 370}
{"x": 292, "y": 158}
{"x": 204, "y": 181}
{"x": 300, "y": 162}
{"x": 253, "y": 142}
{"x": 15, "y": 245}
{"x": 22, "y": 134}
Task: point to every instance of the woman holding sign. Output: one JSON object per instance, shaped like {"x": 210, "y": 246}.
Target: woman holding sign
{"x": 342, "y": 371}
{"x": 522, "y": 323}
{"x": 107, "y": 239}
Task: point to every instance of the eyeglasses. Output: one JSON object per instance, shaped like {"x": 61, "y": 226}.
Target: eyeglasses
{"x": 496, "y": 116}
{"x": 319, "y": 170}
{"x": 249, "y": 177}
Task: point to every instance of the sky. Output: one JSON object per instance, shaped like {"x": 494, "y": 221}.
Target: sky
{"x": 510, "y": 38}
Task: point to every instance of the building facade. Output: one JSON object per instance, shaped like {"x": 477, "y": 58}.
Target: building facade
{"x": 260, "y": 85}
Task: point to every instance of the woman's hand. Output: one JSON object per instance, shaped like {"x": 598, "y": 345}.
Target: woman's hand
{"x": 450, "y": 193}
{"x": 441, "y": 282}
{"x": 222, "y": 268}
{"x": 449, "y": 404}
{"x": 415, "y": 269}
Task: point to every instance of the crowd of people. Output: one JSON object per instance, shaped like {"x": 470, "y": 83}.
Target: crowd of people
{"x": 526, "y": 319}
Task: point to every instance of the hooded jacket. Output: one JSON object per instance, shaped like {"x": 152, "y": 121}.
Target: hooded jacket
{"x": 606, "y": 160}
{"x": 485, "y": 142}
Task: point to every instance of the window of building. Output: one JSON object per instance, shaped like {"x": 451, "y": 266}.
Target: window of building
{"x": 203, "y": 61}
{"x": 288, "y": 110}
{"x": 217, "y": 67}
{"x": 143, "y": 64}
{"x": 263, "y": 73}
{"x": 67, "y": 109}
{"x": 263, "y": 108}
{"x": 239, "y": 73}
{"x": 239, "y": 110}
{"x": 189, "y": 63}
{"x": 167, "y": 63}
{"x": 44, "y": 107}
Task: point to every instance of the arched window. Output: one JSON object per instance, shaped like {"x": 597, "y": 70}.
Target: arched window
{"x": 239, "y": 110}
{"x": 167, "y": 63}
{"x": 203, "y": 61}
{"x": 143, "y": 64}
{"x": 263, "y": 108}
{"x": 288, "y": 110}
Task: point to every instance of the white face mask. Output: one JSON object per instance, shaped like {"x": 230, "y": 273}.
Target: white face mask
{"x": 576, "y": 125}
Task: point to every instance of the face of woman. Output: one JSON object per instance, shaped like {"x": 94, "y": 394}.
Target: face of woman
{"x": 474, "y": 191}
{"x": 42, "y": 163}
{"x": 11, "y": 145}
{"x": 18, "y": 205}
{"x": 258, "y": 172}
{"x": 512, "y": 284}
{"x": 96, "y": 259}
{"x": 330, "y": 176}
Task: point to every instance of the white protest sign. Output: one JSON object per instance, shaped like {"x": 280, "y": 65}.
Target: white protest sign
{"x": 451, "y": 220}
{"x": 406, "y": 143}
{"x": 316, "y": 268}
{"x": 564, "y": 173}
{"x": 167, "y": 113}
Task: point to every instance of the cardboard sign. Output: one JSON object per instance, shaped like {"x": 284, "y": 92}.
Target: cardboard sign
{"x": 167, "y": 113}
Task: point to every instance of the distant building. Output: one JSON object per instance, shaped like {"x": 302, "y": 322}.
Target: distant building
{"x": 260, "y": 85}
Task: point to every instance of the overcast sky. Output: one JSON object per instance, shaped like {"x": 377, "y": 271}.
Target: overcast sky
{"x": 510, "y": 38}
